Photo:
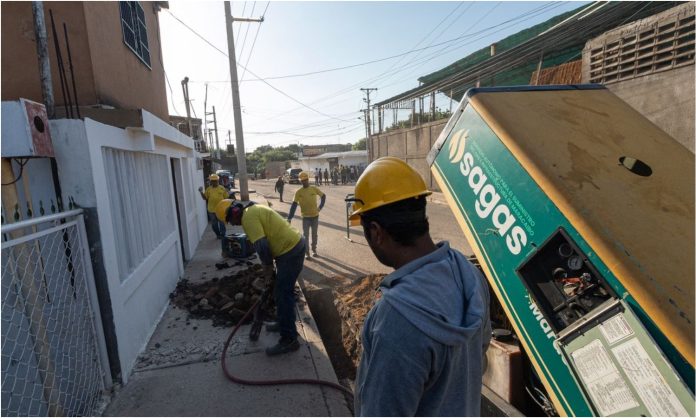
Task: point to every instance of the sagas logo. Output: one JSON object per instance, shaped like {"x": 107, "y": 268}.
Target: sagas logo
{"x": 457, "y": 146}
{"x": 488, "y": 203}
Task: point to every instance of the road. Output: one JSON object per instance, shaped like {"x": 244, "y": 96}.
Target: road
{"x": 341, "y": 260}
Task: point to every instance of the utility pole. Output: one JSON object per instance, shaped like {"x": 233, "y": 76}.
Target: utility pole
{"x": 204, "y": 131}
{"x": 217, "y": 140}
{"x": 238, "y": 131}
{"x": 184, "y": 87}
{"x": 44, "y": 63}
{"x": 367, "y": 120}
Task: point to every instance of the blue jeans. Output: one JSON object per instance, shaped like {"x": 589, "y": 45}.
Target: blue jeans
{"x": 288, "y": 268}
{"x": 218, "y": 227}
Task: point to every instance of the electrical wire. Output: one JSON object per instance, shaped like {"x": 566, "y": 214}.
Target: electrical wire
{"x": 171, "y": 92}
{"x": 538, "y": 11}
{"x": 21, "y": 170}
{"x": 508, "y": 58}
{"x": 258, "y": 29}
{"x": 246, "y": 34}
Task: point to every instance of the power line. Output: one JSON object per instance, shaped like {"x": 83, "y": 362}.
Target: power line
{"x": 458, "y": 38}
{"x": 252, "y": 73}
{"x": 171, "y": 92}
{"x": 258, "y": 28}
{"x": 246, "y": 34}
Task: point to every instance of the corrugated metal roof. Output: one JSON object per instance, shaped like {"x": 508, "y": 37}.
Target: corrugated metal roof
{"x": 360, "y": 153}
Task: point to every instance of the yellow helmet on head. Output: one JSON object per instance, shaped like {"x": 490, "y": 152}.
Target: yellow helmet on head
{"x": 386, "y": 180}
{"x": 304, "y": 176}
{"x": 214, "y": 177}
{"x": 221, "y": 209}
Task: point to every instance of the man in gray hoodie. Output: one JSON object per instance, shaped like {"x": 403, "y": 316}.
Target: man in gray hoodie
{"x": 424, "y": 341}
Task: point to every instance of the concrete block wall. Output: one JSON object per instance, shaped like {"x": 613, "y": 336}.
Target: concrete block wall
{"x": 411, "y": 145}
{"x": 662, "y": 85}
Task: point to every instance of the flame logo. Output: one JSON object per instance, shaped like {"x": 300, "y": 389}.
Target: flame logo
{"x": 457, "y": 146}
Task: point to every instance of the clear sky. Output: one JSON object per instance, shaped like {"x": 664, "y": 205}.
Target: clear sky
{"x": 304, "y": 37}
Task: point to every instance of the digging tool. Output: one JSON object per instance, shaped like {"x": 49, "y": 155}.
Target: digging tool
{"x": 260, "y": 308}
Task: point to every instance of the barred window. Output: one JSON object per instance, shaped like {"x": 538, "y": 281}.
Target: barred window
{"x": 139, "y": 196}
{"x": 135, "y": 29}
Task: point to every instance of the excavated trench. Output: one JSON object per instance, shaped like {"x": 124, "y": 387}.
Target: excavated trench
{"x": 339, "y": 306}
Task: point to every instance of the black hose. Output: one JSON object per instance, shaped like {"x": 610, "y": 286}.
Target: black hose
{"x": 271, "y": 382}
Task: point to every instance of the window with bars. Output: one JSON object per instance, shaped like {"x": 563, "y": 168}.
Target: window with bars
{"x": 140, "y": 198}
{"x": 135, "y": 29}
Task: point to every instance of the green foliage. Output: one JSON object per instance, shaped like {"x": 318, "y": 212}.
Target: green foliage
{"x": 360, "y": 145}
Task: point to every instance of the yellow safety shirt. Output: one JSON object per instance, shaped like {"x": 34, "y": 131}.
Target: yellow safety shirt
{"x": 261, "y": 221}
{"x": 306, "y": 197}
{"x": 214, "y": 195}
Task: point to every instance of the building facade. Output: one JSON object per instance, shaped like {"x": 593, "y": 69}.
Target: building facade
{"x": 115, "y": 51}
{"x": 132, "y": 175}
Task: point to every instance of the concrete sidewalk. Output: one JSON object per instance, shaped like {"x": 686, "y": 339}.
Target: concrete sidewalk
{"x": 179, "y": 373}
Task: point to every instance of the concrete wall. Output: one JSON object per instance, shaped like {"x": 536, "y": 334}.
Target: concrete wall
{"x": 20, "y": 68}
{"x": 120, "y": 78}
{"x": 658, "y": 79}
{"x": 131, "y": 301}
{"x": 106, "y": 71}
{"x": 666, "y": 99}
{"x": 411, "y": 145}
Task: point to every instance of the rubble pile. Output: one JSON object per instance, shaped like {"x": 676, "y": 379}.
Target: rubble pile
{"x": 225, "y": 300}
{"x": 353, "y": 302}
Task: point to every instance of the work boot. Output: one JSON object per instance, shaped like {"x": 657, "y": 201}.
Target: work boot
{"x": 307, "y": 257}
{"x": 285, "y": 345}
{"x": 274, "y": 327}
{"x": 314, "y": 253}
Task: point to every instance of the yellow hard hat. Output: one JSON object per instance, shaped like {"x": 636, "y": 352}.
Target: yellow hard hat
{"x": 386, "y": 180}
{"x": 304, "y": 176}
{"x": 221, "y": 209}
{"x": 214, "y": 177}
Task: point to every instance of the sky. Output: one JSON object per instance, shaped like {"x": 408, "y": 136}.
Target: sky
{"x": 281, "y": 104}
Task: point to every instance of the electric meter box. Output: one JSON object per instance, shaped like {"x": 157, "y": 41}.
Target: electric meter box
{"x": 581, "y": 213}
{"x": 25, "y": 131}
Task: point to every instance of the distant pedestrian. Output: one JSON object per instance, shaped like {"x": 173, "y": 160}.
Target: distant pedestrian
{"x": 317, "y": 179}
{"x": 306, "y": 197}
{"x": 279, "y": 186}
{"x": 213, "y": 195}
{"x": 326, "y": 176}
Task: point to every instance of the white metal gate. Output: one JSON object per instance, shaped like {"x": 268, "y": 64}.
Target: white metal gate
{"x": 54, "y": 359}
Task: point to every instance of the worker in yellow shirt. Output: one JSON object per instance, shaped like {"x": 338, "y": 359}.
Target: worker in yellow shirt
{"x": 306, "y": 197}
{"x": 213, "y": 194}
{"x": 274, "y": 240}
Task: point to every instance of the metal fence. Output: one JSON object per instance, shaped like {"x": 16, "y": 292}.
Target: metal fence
{"x": 54, "y": 359}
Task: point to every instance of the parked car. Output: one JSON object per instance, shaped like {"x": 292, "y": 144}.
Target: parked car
{"x": 226, "y": 178}
{"x": 292, "y": 175}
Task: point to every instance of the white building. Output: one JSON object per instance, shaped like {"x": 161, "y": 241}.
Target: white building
{"x": 329, "y": 160}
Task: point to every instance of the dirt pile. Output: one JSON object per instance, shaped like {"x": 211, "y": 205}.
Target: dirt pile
{"x": 225, "y": 300}
{"x": 353, "y": 302}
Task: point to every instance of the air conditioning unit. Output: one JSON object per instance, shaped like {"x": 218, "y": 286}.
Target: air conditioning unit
{"x": 25, "y": 130}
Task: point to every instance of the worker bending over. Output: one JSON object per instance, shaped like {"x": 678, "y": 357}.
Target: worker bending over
{"x": 274, "y": 240}
{"x": 306, "y": 197}
{"x": 425, "y": 339}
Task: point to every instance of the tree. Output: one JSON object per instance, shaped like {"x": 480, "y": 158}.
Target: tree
{"x": 360, "y": 145}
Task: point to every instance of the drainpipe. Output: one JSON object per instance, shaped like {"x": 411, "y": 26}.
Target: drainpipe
{"x": 42, "y": 52}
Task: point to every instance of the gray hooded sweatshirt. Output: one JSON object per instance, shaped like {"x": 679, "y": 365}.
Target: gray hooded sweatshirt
{"x": 425, "y": 340}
